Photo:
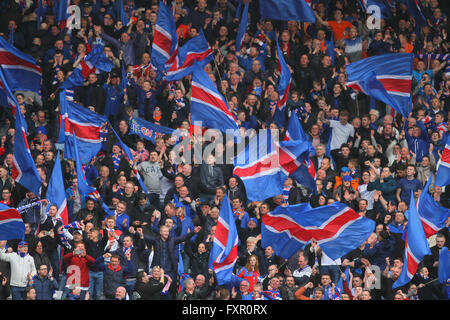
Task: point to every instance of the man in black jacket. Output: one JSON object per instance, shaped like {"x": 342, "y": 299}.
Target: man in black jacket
{"x": 92, "y": 94}
{"x": 95, "y": 247}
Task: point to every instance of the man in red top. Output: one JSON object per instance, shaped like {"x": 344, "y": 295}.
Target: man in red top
{"x": 78, "y": 264}
{"x": 338, "y": 25}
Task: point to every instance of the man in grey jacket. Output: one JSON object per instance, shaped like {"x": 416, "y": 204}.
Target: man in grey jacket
{"x": 151, "y": 173}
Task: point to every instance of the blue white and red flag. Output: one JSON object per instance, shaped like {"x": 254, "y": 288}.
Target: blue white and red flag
{"x": 87, "y": 126}
{"x": 337, "y": 228}
{"x": 11, "y": 223}
{"x": 165, "y": 40}
{"x": 284, "y": 85}
{"x": 183, "y": 59}
{"x": 208, "y": 105}
{"x": 224, "y": 251}
{"x": 443, "y": 168}
{"x": 19, "y": 68}
{"x": 266, "y": 162}
{"x": 386, "y": 77}
{"x": 432, "y": 215}
{"x": 56, "y": 191}
{"x": 95, "y": 62}
{"x": 286, "y": 10}
{"x": 416, "y": 246}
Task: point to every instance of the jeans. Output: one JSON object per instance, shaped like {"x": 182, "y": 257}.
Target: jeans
{"x": 17, "y": 293}
{"x": 153, "y": 198}
{"x": 186, "y": 261}
{"x": 333, "y": 271}
{"x": 95, "y": 285}
{"x": 55, "y": 261}
{"x": 129, "y": 286}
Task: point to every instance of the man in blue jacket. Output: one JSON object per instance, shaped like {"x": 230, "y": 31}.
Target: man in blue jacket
{"x": 44, "y": 283}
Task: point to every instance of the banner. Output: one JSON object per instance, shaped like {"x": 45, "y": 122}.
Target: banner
{"x": 148, "y": 130}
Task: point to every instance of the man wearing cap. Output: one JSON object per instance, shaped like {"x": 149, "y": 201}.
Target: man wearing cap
{"x": 22, "y": 269}
{"x": 114, "y": 96}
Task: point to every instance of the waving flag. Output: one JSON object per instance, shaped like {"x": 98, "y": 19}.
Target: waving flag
{"x": 83, "y": 186}
{"x": 60, "y": 10}
{"x": 416, "y": 246}
{"x": 165, "y": 40}
{"x": 19, "y": 68}
{"x": 242, "y": 27}
{"x": 386, "y": 77}
{"x": 271, "y": 294}
{"x": 443, "y": 168}
{"x": 283, "y": 89}
{"x": 340, "y": 284}
{"x": 130, "y": 157}
{"x": 432, "y": 215}
{"x": 415, "y": 12}
{"x": 208, "y": 105}
{"x": 444, "y": 266}
{"x": 95, "y": 62}
{"x": 268, "y": 163}
{"x": 223, "y": 254}
{"x": 147, "y": 130}
{"x": 56, "y": 191}
{"x": 306, "y": 173}
{"x": 87, "y": 126}
{"x": 23, "y": 169}
{"x": 296, "y": 10}
{"x": 11, "y": 223}
{"x": 337, "y": 228}
{"x": 7, "y": 101}
{"x": 385, "y": 7}
{"x": 123, "y": 14}
{"x": 183, "y": 60}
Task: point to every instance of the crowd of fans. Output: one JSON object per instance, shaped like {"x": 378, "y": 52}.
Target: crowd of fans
{"x": 377, "y": 157}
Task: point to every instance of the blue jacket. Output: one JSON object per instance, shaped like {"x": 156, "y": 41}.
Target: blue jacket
{"x": 377, "y": 255}
{"x": 418, "y": 145}
{"x": 113, "y": 279}
{"x": 44, "y": 287}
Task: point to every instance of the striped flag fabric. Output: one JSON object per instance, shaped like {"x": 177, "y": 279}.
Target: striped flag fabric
{"x": 24, "y": 169}
{"x": 183, "y": 59}
{"x": 432, "y": 215}
{"x": 11, "y": 223}
{"x": 386, "y": 77}
{"x": 443, "y": 168}
{"x": 19, "y": 68}
{"x": 95, "y": 62}
{"x": 165, "y": 40}
{"x": 266, "y": 162}
{"x": 208, "y": 105}
{"x": 283, "y": 89}
{"x": 56, "y": 191}
{"x": 224, "y": 251}
{"x": 87, "y": 126}
{"x": 416, "y": 246}
{"x": 337, "y": 228}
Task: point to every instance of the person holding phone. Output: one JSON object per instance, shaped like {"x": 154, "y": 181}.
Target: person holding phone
{"x": 78, "y": 265}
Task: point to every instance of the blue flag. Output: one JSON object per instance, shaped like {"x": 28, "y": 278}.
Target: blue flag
{"x": 444, "y": 266}
{"x": 386, "y": 77}
{"x": 416, "y": 246}
{"x": 266, "y": 162}
{"x": 19, "y": 68}
{"x": 337, "y": 228}
{"x": 224, "y": 251}
{"x": 147, "y": 130}
{"x": 56, "y": 193}
{"x": 242, "y": 27}
{"x": 296, "y": 10}
{"x": 443, "y": 168}
{"x": 415, "y": 12}
{"x": 11, "y": 223}
{"x": 83, "y": 186}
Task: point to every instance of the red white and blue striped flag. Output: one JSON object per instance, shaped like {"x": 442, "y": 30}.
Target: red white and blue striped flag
{"x": 416, "y": 246}
{"x": 11, "y": 223}
{"x": 224, "y": 251}
{"x": 336, "y": 227}
{"x": 19, "y": 68}
{"x": 56, "y": 191}
{"x": 87, "y": 126}
{"x": 443, "y": 167}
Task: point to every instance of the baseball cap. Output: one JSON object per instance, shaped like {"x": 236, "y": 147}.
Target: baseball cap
{"x": 22, "y": 243}
{"x": 345, "y": 169}
{"x": 42, "y": 130}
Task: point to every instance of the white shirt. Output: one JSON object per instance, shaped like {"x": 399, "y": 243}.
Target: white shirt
{"x": 340, "y": 134}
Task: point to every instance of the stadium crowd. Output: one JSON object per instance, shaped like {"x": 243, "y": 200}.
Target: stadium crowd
{"x": 366, "y": 155}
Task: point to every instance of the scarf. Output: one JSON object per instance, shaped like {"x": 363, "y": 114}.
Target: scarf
{"x": 116, "y": 161}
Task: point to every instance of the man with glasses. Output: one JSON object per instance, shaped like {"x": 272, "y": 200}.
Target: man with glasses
{"x": 44, "y": 283}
